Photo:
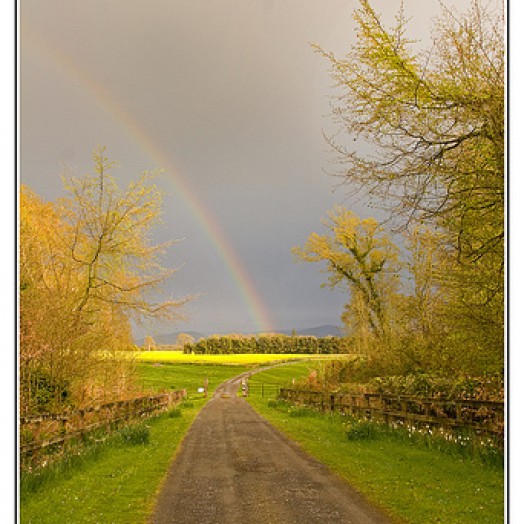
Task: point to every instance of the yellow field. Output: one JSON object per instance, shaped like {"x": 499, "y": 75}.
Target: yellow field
{"x": 178, "y": 357}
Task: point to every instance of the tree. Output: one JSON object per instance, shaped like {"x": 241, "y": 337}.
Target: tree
{"x": 428, "y": 294}
{"x": 359, "y": 256}
{"x": 110, "y": 244}
{"x": 435, "y": 120}
{"x": 86, "y": 268}
{"x": 46, "y": 323}
{"x": 149, "y": 343}
{"x": 422, "y": 310}
{"x": 425, "y": 139}
{"x": 184, "y": 338}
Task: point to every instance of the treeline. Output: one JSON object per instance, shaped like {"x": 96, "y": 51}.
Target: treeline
{"x": 277, "y": 344}
{"x": 86, "y": 269}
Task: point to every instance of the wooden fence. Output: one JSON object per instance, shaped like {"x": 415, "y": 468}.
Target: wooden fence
{"x": 476, "y": 415}
{"x": 40, "y": 432}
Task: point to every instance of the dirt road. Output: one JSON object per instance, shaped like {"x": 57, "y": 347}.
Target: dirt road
{"x": 233, "y": 467}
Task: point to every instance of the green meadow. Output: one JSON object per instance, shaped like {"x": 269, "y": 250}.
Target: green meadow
{"x": 191, "y": 377}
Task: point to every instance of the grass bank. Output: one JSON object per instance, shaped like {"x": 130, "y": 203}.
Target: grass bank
{"x": 413, "y": 483}
{"x": 117, "y": 481}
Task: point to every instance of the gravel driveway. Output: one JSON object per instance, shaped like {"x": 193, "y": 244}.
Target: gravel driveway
{"x": 234, "y": 467}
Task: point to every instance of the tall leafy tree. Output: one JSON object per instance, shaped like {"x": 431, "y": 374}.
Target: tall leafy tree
{"x": 434, "y": 120}
{"x": 86, "y": 268}
{"x": 47, "y": 324}
{"x": 359, "y": 256}
{"x": 110, "y": 244}
{"x": 424, "y": 136}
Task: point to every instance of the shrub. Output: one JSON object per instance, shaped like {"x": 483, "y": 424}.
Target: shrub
{"x": 480, "y": 388}
{"x": 362, "y": 430}
{"x": 174, "y": 413}
{"x": 135, "y": 435}
{"x": 301, "y": 412}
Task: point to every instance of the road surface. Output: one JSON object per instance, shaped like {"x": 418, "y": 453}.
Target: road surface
{"x": 234, "y": 467}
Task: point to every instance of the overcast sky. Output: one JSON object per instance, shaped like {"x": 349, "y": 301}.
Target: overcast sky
{"x": 229, "y": 99}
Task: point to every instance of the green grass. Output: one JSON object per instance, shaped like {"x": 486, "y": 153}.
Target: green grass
{"x": 158, "y": 377}
{"x": 267, "y": 383}
{"x": 117, "y": 482}
{"x": 413, "y": 483}
{"x": 283, "y": 375}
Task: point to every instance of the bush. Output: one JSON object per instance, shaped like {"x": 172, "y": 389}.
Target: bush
{"x": 480, "y": 388}
{"x": 362, "y": 430}
{"x": 174, "y": 413}
{"x": 135, "y": 435}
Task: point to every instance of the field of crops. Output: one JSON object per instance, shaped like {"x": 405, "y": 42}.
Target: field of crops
{"x": 247, "y": 359}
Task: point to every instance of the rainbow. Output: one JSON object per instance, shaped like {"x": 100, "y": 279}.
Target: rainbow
{"x": 207, "y": 222}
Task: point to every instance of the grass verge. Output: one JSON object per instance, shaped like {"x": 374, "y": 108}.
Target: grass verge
{"x": 411, "y": 482}
{"x": 117, "y": 481}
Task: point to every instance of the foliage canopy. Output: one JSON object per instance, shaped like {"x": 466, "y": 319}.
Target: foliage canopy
{"x": 422, "y": 134}
{"x": 87, "y": 267}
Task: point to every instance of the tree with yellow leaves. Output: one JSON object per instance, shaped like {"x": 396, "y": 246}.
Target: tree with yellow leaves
{"x": 421, "y": 133}
{"x": 86, "y": 269}
{"x": 358, "y": 255}
{"x": 109, "y": 242}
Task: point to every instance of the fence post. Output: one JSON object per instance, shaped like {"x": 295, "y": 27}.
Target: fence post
{"x": 82, "y": 423}
{"x": 404, "y": 405}
{"x": 108, "y": 419}
{"x": 63, "y": 429}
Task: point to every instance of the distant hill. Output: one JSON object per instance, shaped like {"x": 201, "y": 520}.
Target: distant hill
{"x": 326, "y": 330}
{"x": 320, "y": 331}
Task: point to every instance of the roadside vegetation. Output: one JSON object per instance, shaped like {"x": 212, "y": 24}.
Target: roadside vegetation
{"x": 420, "y": 135}
{"x": 113, "y": 482}
{"x": 116, "y": 480}
{"x": 87, "y": 268}
{"x": 415, "y": 477}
